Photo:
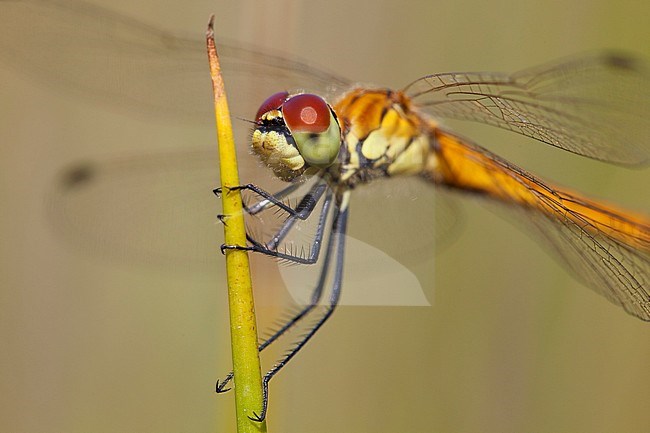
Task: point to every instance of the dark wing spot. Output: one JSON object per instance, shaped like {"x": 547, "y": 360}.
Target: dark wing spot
{"x": 78, "y": 176}
{"x": 621, "y": 61}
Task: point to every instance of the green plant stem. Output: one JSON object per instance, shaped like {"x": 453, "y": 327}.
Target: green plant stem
{"x": 243, "y": 327}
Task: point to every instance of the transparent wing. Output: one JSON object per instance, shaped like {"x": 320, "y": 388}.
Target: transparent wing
{"x": 617, "y": 271}
{"x": 114, "y": 60}
{"x": 606, "y": 249}
{"x": 151, "y": 209}
{"x": 596, "y": 105}
{"x": 158, "y": 207}
{"x": 158, "y": 210}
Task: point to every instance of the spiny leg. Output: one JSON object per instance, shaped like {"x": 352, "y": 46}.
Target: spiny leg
{"x": 267, "y": 200}
{"x": 337, "y": 244}
{"x": 260, "y": 205}
{"x": 302, "y": 211}
{"x": 315, "y": 299}
{"x": 270, "y": 249}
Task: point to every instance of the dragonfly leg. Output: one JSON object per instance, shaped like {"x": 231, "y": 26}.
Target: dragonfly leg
{"x": 271, "y": 248}
{"x": 225, "y": 247}
{"x": 315, "y": 299}
{"x": 338, "y": 237}
{"x": 302, "y": 211}
{"x": 267, "y": 200}
{"x": 221, "y": 386}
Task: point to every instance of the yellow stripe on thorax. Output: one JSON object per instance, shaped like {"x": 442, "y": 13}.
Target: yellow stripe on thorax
{"x": 389, "y": 132}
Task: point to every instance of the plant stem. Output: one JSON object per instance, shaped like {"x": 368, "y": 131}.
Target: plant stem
{"x": 243, "y": 327}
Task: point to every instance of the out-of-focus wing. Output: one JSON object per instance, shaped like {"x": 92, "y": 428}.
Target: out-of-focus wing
{"x": 107, "y": 58}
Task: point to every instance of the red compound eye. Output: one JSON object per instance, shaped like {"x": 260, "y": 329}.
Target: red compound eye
{"x": 306, "y": 113}
{"x": 273, "y": 102}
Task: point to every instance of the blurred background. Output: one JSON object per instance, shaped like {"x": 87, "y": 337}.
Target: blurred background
{"x": 98, "y": 336}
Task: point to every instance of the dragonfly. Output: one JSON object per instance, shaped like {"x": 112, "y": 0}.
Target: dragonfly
{"x": 376, "y": 133}
{"x": 594, "y": 105}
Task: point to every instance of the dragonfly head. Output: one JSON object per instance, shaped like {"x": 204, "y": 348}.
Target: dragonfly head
{"x": 296, "y": 132}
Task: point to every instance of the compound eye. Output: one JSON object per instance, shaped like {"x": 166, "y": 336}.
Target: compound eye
{"x": 273, "y": 102}
{"x": 306, "y": 113}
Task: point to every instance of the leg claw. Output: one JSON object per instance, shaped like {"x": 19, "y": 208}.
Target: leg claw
{"x": 222, "y": 218}
{"x": 220, "y": 387}
{"x": 256, "y": 417}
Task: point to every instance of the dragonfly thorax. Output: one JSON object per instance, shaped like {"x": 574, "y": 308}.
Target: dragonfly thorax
{"x": 383, "y": 136}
